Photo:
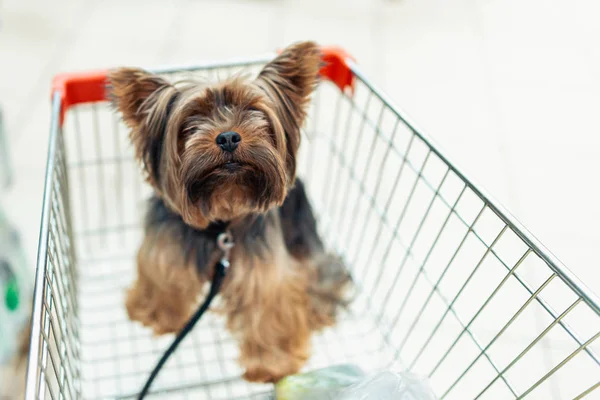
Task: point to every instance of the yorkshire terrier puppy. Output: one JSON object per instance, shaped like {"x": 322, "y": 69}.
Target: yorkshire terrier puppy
{"x": 221, "y": 156}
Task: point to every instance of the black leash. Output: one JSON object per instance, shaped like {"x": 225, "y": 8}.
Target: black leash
{"x": 225, "y": 243}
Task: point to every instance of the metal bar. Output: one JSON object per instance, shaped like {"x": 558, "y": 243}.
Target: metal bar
{"x": 350, "y": 235}
{"x": 530, "y": 346}
{"x": 341, "y": 209}
{"x": 409, "y": 250}
{"x": 110, "y": 229}
{"x": 338, "y": 177}
{"x": 433, "y": 290}
{"x": 551, "y": 312}
{"x": 588, "y": 391}
{"x": 214, "y": 65}
{"x": 134, "y": 346}
{"x": 171, "y": 389}
{"x": 385, "y": 207}
{"x": 504, "y": 328}
{"x": 133, "y": 338}
{"x": 144, "y": 372}
{"x": 328, "y": 187}
{"x": 53, "y": 361}
{"x": 119, "y": 177}
{"x": 52, "y": 331}
{"x": 197, "y": 347}
{"x": 82, "y": 180}
{"x": 386, "y": 338}
{"x": 71, "y": 273}
{"x": 380, "y": 214}
{"x": 407, "y": 163}
{"x": 492, "y": 295}
{"x": 453, "y": 312}
{"x": 37, "y": 313}
{"x": 355, "y": 176}
{"x": 558, "y": 267}
{"x": 421, "y": 269}
{"x": 557, "y": 367}
{"x": 44, "y": 360}
{"x": 100, "y": 176}
{"x": 393, "y": 148}
{"x": 400, "y": 218}
{"x": 98, "y": 162}
{"x": 60, "y": 312}
{"x": 221, "y": 359}
{"x": 57, "y": 284}
{"x": 68, "y": 274}
{"x": 314, "y": 119}
{"x": 450, "y": 306}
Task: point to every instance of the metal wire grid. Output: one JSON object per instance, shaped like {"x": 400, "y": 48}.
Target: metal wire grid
{"x": 460, "y": 291}
{"x": 451, "y": 286}
{"x": 53, "y": 369}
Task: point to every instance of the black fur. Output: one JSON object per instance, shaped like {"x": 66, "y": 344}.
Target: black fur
{"x": 202, "y": 243}
{"x": 297, "y": 223}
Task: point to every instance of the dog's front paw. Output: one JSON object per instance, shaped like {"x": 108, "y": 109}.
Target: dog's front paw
{"x": 154, "y": 311}
{"x": 261, "y": 375}
{"x": 266, "y": 366}
{"x": 265, "y": 374}
{"x": 163, "y": 321}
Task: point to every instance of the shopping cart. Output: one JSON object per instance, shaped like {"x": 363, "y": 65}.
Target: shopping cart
{"x": 451, "y": 286}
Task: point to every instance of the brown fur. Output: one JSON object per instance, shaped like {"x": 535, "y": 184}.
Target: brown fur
{"x": 282, "y": 285}
{"x": 267, "y": 309}
{"x": 13, "y": 373}
{"x": 165, "y": 291}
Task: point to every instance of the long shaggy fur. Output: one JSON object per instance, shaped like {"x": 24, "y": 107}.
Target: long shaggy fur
{"x": 283, "y": 285}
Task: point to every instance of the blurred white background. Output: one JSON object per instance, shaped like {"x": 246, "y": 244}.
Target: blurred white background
{"x": 509, "y": 88}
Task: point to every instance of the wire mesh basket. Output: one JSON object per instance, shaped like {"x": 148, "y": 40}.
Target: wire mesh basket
{"x": 451, "y": 286}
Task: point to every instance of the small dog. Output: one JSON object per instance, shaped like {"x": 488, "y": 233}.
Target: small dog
{"x": 225, "y": 156}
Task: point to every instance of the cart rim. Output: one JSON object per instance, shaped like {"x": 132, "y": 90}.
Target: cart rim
{"x": 58, "y": 110}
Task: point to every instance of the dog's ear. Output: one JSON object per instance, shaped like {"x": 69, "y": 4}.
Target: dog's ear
{"x": 289, "y": 81}
{"x": 129, "y": 89}
{"x": 144, "y": 100}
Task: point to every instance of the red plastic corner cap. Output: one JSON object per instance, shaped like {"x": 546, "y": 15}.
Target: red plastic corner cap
{"x": 336, "y": 67}
{"x": 79, "y": 87}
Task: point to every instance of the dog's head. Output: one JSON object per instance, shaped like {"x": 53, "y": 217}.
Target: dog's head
{"x": 216, "y": 153}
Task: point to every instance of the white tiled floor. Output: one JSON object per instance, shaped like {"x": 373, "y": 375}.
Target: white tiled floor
{"x": 509, "y": 88}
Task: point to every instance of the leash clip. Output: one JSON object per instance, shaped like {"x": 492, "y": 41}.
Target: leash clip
{"x": 225, "y": 243}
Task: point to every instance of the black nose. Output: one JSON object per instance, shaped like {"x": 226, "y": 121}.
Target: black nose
{"x": 228, "y": 141}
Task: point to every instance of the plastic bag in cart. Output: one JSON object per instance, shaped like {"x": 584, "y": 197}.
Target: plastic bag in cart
{"x": 348, "y": 382}
{"x": 388, "y": 385}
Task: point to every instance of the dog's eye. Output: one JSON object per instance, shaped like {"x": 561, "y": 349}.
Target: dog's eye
{"x": 188, "y": 131}
{"x": 253, "y": 109}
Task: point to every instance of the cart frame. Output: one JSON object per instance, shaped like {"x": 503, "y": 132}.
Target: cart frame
{"x": 52, "y": 373}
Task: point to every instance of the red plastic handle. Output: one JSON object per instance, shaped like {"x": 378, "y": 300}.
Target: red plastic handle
{"x": 336, "y": 67}
{"x": 89, "y": 87}
{"x": 79, "y": 87}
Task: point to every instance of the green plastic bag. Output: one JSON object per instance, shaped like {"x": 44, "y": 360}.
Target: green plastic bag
{"x": 15, "y": 290}
{"x": 320, "y": 384}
